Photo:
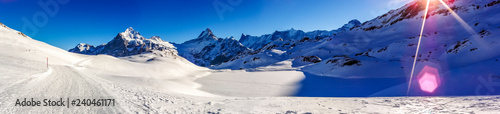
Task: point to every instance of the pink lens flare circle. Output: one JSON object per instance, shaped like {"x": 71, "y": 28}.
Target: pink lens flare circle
{"x": 429, "y": 79}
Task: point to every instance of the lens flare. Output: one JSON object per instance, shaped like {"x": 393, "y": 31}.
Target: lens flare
{"x": 429, "y": 79}
{"x": 418, "y": 44}
{"x": 427, "y": 83}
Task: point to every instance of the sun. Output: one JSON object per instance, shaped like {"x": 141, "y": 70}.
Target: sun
{"x": 432, "y": 2}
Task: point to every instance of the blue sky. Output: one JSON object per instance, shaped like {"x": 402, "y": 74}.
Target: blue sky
{"x": 98, "y": 21}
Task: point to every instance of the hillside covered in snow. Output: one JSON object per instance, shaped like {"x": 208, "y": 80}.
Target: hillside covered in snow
{"x": 289, "y": 71}
{"x": 459, "y": 41}
{"x": 381, "y": 47}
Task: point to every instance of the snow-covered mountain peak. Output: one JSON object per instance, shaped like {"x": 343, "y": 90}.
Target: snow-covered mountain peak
{"x": 244, "y": 37}
{"x": 155, "y": 38}
{"x": 129, "y": 43}
{"x": 230, "y": 38}
{"x": 83, "y": 46}
{"x": 352, "y": 23}
{"x": 207, "y": 34}
{"x": 131, "y": 34}
{"x": 293, "y": 31}
{"x": 207, "y": 49}
{"x": 131, "y": 30}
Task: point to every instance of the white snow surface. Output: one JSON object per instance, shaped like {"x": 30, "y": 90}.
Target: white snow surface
{"x": 149, "y": 84}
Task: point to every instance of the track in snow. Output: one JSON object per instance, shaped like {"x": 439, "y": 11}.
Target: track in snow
{"x": 58, "y": 82}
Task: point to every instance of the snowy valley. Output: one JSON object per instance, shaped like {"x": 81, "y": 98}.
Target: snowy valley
{"x": 364, "y": 65}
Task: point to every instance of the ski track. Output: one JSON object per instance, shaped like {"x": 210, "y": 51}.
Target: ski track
{"x": 61, "y": 82}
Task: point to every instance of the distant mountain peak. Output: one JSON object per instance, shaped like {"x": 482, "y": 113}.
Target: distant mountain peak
{"x": 208, "y": 29}
{"x": 207, "y": 34}
{"x": 131, "y": 30}
{"x": 131, "y": 34}
{"x": 355, "y": 21}
{"x": 82, "y": 44}
{"x": 352, "y": 23}
{"x": 129, "y": 42}
{"x": 83, "y": 48}
{"x": 156, "y": 38}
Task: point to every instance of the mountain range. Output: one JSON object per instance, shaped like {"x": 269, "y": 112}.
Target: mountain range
{"x": 127, "y": 43}
{"x": 205, "y": 50}
{"x": 384, "y": 46}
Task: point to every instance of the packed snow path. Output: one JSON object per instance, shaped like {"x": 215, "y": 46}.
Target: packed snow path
{"x": 58, "y": 82}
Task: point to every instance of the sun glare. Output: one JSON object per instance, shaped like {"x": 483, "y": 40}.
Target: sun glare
{"x": 418, "y": 44}
{"x": 427, "y": 84}
{"x": 459, "y": 19}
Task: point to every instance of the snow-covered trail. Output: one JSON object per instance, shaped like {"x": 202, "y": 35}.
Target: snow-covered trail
{"x": 63, "y": 81}
{"x": 58, "y": 82}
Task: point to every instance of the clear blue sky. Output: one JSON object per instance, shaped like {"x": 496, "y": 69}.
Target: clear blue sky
{"x": 98, "y": 21}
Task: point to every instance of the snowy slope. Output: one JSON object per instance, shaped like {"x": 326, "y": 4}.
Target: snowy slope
{"x": 284, "y": 45}
{"x": 384, "y": 46}
{"x": 69, "y": 75}
{"x": 389, "y": 41}
{"x": 17, "y": 45}
{"x": 147, "y": 65}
